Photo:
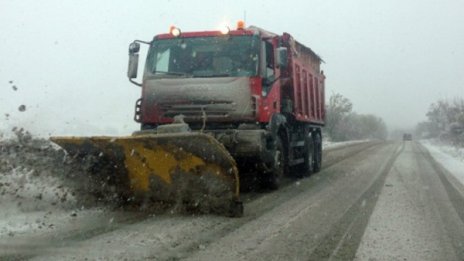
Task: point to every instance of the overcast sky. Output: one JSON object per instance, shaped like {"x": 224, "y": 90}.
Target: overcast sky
{"x": 68, "y": 59}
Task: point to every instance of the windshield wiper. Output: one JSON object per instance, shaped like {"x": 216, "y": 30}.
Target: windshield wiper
{"x": 171, "y": 73}
{"x": 212, "y": 75}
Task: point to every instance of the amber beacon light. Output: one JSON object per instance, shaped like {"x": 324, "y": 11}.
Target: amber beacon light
{"x": 240, "y": 25}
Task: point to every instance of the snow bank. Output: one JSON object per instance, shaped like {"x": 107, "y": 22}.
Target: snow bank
{"x": 450, "y": 157}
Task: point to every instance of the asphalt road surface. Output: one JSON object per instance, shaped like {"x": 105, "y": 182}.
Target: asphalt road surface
{"x": 371, "y": 201}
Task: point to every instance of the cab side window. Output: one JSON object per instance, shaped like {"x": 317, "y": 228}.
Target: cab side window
{"x": 269, "y": 60}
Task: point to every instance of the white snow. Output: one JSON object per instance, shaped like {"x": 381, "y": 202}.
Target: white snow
{"x": 34, "y": 202}
{"x": 331, "y": 144}
{"x": 405, "y": 223}
{"x": 450, "y": 157}
{"x": 30, "y": 202}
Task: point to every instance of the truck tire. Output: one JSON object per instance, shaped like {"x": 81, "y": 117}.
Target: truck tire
{"x": 274, "y": 178}
{"x": 317, "y": 153}
{"x": 309, "y": 157}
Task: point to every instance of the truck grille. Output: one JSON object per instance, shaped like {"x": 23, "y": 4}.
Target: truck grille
{"x": 196, "y": 110}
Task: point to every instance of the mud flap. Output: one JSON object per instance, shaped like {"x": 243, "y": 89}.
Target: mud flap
{"x": 191, "y": 169}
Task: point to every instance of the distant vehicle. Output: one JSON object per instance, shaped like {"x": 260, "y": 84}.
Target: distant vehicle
{"x": 407, "y": 136}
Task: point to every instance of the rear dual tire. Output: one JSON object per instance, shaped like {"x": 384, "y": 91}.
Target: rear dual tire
{"x": 313, "y": 155}
{"x": 308, "y": 165}
{"x": 317, "y": 153}
{"x": 312, "y": 161}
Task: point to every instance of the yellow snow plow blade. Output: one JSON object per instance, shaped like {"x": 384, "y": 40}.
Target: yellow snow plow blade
{"x": 192, "y": 168}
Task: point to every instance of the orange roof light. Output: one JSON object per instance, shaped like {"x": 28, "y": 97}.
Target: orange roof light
{"x": 240, "y": 25}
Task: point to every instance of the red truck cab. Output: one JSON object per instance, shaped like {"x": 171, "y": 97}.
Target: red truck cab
{"x": 259, "y": 93}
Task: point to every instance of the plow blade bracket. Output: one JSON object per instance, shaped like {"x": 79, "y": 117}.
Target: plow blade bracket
{"x": 189, "y": 168}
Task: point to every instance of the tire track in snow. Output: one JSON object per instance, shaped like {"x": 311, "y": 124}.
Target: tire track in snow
{"x": 344, "y": 238}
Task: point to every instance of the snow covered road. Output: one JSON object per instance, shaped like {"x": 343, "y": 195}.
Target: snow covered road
{"x": 371, "y": 201}
{"x": 419, "y": 213}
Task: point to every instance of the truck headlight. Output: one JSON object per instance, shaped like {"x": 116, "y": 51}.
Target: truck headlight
{"x": 225, "y": 30}
{"x": 174, "y": 31}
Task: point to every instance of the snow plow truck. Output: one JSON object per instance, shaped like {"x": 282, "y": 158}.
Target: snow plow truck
{"x": 213, "y": 103}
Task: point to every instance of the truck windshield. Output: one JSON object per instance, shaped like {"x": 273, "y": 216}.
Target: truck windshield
{"x": 219, "y": 56}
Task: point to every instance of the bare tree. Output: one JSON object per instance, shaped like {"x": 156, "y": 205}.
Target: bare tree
{"x": 344, "y": 124}
{"x": 338, "y": 108}
{"x": 445, "y": 120}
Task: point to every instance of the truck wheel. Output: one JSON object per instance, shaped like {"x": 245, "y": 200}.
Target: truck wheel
{"x": 309, "y": 157}
{"x": 274, "y": 178}
{"x": 317, "y": 153}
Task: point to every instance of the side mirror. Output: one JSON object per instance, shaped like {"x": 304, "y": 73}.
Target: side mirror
{"x": 282, "y": 57}
{"x": 134, "y": 48}
{"x": 133, "y": 65}
{"x": 132, "y": 68}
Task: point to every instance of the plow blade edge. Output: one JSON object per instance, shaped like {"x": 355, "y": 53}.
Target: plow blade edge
{"x": 188, "y": 168}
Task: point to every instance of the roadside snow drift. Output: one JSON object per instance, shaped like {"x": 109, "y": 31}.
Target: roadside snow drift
{"x": 40, "y": 186}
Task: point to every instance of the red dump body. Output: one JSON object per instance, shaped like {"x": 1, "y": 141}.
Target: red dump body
{"x": 307, "y": 83}
{"x": 297, "y": 88}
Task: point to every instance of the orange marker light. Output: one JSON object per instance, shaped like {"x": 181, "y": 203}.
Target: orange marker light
{"x": 240, "y": 25}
